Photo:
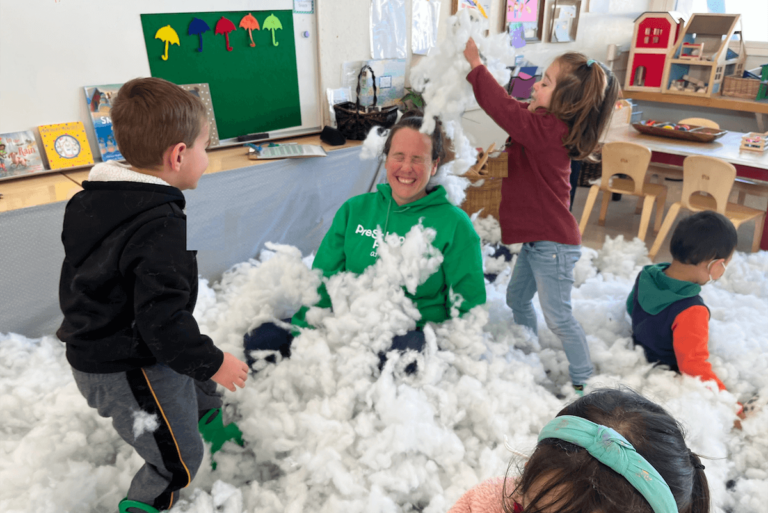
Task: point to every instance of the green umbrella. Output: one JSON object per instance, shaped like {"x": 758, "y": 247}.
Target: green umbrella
{"x": 272, "y": 23}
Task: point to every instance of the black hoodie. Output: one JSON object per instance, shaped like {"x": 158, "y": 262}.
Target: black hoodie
{"x": 128, "y": 284}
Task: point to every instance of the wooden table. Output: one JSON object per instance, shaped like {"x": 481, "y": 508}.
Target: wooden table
{"x": 35, "y": 190}
{"x": 748, "y": 164}
{"x": 760, "y": 109}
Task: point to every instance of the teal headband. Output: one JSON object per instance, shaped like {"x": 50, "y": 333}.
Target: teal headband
{"x": 610, "y": 448}
{"x": 590, "y": 62}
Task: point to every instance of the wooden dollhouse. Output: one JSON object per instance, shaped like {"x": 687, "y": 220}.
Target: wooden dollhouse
{"x": 656, "y": 34}
{"x": 704, "y": 55}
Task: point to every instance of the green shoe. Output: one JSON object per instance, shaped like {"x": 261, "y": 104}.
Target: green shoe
{"x": 579, "y": 389}
{"x": 125, "y": 504}
{"x": 212, "y": 427}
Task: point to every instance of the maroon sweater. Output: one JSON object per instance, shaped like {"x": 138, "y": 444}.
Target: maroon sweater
{"x": 536, "y": 194}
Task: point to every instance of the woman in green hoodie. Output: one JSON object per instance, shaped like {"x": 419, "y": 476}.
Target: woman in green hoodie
{"x": 411, "y": 159}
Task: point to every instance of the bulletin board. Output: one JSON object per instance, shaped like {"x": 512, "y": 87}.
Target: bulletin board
{"x": 77, "y": 43}
{"x": 254, "y": 89}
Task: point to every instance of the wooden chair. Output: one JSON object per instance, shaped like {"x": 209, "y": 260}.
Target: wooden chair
{"x": 715, "y": 177}
{"x": 632, "y": 160}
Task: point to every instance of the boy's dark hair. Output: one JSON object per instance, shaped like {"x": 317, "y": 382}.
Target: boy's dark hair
{"x": 584, "y": 97}
{"x": 580, "y": 483}
{"x": 702, "y": 237}
{"x": 150, "y": 115}
{"x": 414, "y": 120}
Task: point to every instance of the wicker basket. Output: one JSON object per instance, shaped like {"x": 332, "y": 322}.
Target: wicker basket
{"x": 487, "y": 196}
{"x": 740, "y": 87}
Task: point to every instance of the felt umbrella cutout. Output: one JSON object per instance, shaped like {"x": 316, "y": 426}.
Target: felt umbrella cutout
{"x": 196, "y": 28}
{"x": 250, "y": 24}
{"x": 272, "y": 23}
{"x": 225, "y": 26}
{"x": 168, "y": 36}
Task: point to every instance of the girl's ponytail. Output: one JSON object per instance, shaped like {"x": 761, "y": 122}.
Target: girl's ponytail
{"x": 584, "y": 97}
{"x": 700, "y": 492}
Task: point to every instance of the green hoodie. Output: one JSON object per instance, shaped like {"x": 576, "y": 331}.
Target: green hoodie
{"x": 350, "y": 245}
{"x": 656, "y": 290}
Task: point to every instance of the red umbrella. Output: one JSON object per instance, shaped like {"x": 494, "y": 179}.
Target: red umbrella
{"x": 225, "y": 26}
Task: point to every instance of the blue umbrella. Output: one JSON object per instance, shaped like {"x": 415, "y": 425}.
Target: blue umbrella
{"x": 197, "y": 27}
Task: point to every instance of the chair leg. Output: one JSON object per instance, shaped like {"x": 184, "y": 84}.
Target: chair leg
{"x": 588, "y": 206}
{"x": 639, "y": 206}
{"x": 661, "y": 202}
{"x": 669, "y": 220}
{"x": 759, "y": 223}
{"x": 646, "y": 217}
{"x": 604, "y": 208}
{"x": 742, "y": 197}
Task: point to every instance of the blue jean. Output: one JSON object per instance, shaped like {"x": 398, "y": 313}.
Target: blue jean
{"x": 547, "y": 267}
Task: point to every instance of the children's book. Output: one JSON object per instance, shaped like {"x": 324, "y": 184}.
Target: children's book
{"x": 285, "y": 151}
{"x": 99, "y": 100}
{"x": 19, "y": 154}
{"x": 203, "y": 92}
{"x": 66, "y": 145}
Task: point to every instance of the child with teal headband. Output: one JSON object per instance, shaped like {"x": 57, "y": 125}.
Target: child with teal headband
{"x": 611, "y": 451}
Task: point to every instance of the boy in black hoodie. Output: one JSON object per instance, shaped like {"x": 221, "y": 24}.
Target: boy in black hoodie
{"x": 128, "y": 289}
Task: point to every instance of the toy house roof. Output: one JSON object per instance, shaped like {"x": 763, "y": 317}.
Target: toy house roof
{"x": 719, "y": 24}
{"x": 677, "y": 16}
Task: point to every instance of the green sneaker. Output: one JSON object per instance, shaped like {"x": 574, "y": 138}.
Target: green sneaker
{"x": 212, "y": 427}
{"x": 135, "y": 505}
{"x": 579, "y": 389}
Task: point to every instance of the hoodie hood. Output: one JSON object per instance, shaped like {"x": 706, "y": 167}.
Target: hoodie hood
{"x": 656, "y": 291}
{"x": 435, "y": 196}
{"x": 116, "y": 203}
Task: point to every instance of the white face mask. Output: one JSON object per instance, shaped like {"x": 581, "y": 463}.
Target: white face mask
{"x": 709, "y": 271}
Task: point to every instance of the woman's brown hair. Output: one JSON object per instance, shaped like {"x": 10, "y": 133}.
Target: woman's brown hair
{"x": 579, "y": 483}
{"x": 584, "y": 97}
{"x": 441, "y": 150}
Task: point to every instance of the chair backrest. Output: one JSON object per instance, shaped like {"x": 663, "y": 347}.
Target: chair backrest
{"x": 707, "y": 174}
{"x": 625, "y": 158}
{"x": 699, "y": 121}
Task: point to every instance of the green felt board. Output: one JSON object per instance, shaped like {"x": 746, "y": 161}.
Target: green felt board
{"x": 253, "y": 89}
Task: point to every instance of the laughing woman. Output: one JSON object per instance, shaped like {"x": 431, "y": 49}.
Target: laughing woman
{"x": 411, "y": 159}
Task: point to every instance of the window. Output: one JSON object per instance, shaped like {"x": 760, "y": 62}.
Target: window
{"x": 754, "y": 15}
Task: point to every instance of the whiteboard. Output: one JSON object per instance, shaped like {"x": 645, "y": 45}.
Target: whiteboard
{"x": 51, "y": 49}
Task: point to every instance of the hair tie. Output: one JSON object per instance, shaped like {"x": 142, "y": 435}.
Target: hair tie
{"x": 608, "y": 447}
{"x": 695, "y": 460}
{"x": 590, "y": 62}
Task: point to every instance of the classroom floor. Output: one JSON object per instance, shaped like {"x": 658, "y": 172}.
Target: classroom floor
{"x": 622, "y": 220}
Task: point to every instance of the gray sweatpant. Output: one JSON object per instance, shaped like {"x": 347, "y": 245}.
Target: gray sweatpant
{"x": 156, "y": 411}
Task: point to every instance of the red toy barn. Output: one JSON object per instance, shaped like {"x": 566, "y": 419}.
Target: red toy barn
{"x": 655, "y": 35}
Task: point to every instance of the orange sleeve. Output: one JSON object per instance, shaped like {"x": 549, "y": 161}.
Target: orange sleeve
{"x": 690, "y": 339}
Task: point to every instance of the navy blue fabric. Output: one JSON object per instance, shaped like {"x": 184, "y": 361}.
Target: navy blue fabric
{"x": 267, "y": 337}
{"x": 654, "y": 332}
{"x": 413, "y": 340}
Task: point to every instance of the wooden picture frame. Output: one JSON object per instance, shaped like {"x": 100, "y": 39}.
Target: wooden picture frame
{"x": 564, "y": 20}
{"x": 534, "y": 30}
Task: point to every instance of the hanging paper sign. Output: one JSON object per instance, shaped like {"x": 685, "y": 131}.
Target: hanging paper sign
{"x": 521, "y": 11}
{"x": 303, "y": 6}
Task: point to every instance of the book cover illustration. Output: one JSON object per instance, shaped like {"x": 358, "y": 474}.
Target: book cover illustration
{"x": 99, "y": 100}
{"x": 66, "y": 145}
{"x": 203, "y": 91}
{"x": 19, "y": 154}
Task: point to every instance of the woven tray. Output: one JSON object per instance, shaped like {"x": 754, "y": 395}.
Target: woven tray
{"x": 696, "y": 133}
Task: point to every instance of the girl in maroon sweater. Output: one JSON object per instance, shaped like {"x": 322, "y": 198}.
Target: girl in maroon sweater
{"x": 568, "y": 111}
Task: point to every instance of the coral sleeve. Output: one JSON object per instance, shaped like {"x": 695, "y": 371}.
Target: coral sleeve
{"x": 690, "y": 335}
{"x": 484, "y": 498}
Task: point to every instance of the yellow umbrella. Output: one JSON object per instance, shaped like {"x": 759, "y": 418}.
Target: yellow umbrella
{"x": 168, "y": 36}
